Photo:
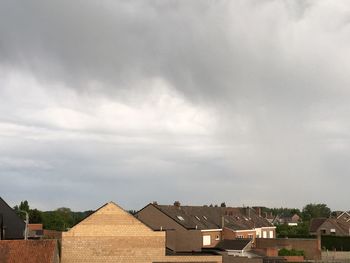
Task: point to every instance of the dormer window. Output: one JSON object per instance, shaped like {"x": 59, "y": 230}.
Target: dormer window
{"x": 180, "y": 218}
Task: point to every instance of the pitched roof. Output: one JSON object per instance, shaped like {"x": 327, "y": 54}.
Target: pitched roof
{"x": 10, "y": 222}
{"x": 34, "y": 227}
{"x": 234, "y": 244}
{"x": 204, "y": 217}
{"x": 315, "y": 223}
{"x": 28, "y": 251}
{"x": 108, "y": 217}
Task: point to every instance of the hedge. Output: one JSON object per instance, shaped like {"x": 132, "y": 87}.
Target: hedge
{"x": 339, "y": 243}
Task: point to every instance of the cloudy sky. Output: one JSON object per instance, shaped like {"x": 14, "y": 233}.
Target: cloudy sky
{"x": 246, "y": 102}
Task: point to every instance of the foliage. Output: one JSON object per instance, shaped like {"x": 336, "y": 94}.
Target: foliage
{"x": 60, "y": 219}
{"x": 314, "y": 211}
{"x": 291, "y": 252}
{"x": 284, "y": 230}
{"x": 223, "y": 204}
{"x": 282, "y": 211}
{"x": 19, "y": 209}
{"x": 339, "y": 243}
{"x": 35, "y": 216}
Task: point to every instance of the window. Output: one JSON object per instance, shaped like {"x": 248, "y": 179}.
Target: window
{"x": 332, "y": 231}
{"x": 239, "y": 236}
{"x": 264, "y": 234}
{"x": 206, "y": 241}
{"x": 323, "y": 231}
{"x": 180, "y": 218}
{"x": 217, "y": 237}
{"x": 271, "y": 234}
{"x": 197, "y": 218}
{"x": 250, "y": 236}
{"x": 205, "y": 217}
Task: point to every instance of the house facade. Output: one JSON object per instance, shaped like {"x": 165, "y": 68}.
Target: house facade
{"x": 113, "y": 235}
{"x": 329, "y": 226}
{"x": 35, "y": 231}
{"x": 204, "y": 226}
{"x": 292, "y": 220}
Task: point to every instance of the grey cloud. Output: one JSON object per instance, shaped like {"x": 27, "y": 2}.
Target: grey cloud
{"x": 274, "y": 72}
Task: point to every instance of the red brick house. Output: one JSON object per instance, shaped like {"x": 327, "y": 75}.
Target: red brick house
{"x": 111, "y": 234}
{"x": 329, "y": 226}
{"x": 191, "y": 228}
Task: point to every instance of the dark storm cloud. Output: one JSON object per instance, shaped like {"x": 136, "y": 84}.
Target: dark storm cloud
{"x": 247, "y": 92}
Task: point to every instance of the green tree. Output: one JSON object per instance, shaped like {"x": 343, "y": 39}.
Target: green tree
{"x": 54, "y": 220}
{"x": 23, "y": 206}
{"x": 301, "y": 230}
{"x": 314, "y": 211}
{"x": 35, "y": 216}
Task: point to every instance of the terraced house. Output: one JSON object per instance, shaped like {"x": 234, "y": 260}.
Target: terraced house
{"x": 193, "y": 228}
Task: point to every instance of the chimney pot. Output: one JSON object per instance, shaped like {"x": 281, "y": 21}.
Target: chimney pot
{"x": 177, "y": 204}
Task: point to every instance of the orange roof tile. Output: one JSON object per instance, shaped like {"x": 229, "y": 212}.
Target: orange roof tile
{"x": 27, "y": 251}
{"x": 34, "y": 227}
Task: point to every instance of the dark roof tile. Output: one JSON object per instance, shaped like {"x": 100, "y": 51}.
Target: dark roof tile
{"x": 204, "y": 217}
{"x": 234, "y": 244}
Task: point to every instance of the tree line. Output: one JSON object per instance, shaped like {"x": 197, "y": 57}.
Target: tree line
{"x": 64, "y": 218}
{"x": 60, "y": 219}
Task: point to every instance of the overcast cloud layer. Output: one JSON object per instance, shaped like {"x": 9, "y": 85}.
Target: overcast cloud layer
{"x": 198, "y": 101}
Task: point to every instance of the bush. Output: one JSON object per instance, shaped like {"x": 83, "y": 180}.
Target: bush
{"x": 339, "y": 243}
{"x": 292, "y": 252}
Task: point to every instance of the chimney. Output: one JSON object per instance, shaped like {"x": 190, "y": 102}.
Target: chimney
{"x": 222, "y": 222}
{"x": 257, "y": 210}
{"x": 155, "y": 202}
{"x": 177, "y": 204}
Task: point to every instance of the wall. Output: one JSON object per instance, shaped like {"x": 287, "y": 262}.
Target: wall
{"x": 294, "y": 258}
{"x": 213, "y": 238}
{"x": 113, "y": 235}
{"x": 231, "y": 234}
{"x": 327, "y": 226}
{"x": 231, "y": 259}
{"x": 311, "y": 247}
{"x": 178, "y": 238}
{"x": 335, "y": 255}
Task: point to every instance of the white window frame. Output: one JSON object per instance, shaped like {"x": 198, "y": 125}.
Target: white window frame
{"x": 264, "y": 234}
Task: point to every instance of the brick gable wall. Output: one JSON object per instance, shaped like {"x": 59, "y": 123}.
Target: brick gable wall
{"x": 113, "y": 235}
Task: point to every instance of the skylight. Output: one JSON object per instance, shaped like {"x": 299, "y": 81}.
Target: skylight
{"x": 180, "y": 218}
{"x": 197, "y": 218}
{"x": 205, "y": 217}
